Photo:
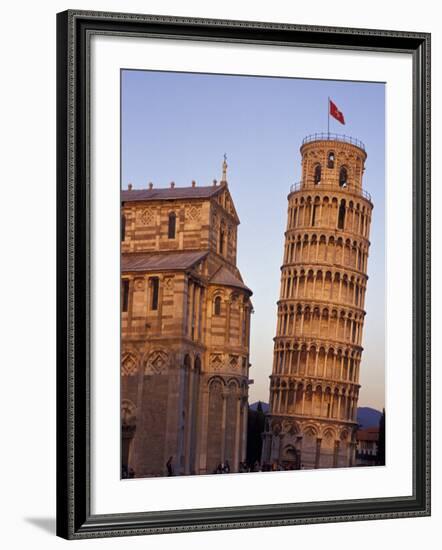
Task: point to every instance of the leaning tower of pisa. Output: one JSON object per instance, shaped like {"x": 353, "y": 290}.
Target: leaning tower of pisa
{"x": 314, "y": 384}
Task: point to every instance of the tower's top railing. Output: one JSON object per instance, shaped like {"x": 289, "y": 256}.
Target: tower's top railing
{"x": 326, "y": 136}
{"x": 298, "y": 186}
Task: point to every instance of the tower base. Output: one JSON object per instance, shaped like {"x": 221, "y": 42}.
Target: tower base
{"x": 294, "y": 443}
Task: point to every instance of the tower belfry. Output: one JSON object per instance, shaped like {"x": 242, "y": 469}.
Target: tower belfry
{"x": 225, "y": 166}
{"x": 314, "y": 386}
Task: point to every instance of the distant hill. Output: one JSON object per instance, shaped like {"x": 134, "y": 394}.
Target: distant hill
{"x": 265, "y": 406}
{"x": 368, "y": 417}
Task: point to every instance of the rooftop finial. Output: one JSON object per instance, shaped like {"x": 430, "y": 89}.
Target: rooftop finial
{"x": 224, "y": 178}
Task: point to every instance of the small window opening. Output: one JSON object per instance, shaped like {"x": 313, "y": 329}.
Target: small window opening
{"x": 221, "y": 241}
{"x": 154, "y": 288}
{"x": 343, "y": 177}
{"x": 317, "y": 177}
{"x": 123, "y": 227}
{"x": 125, "y": 291}
{"x": 341, "y": 217}
{"x": 172, "y": 225}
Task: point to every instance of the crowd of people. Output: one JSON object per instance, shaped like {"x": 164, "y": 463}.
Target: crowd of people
{"x": 225, "y": 468}
{"x": 246, "y": 467}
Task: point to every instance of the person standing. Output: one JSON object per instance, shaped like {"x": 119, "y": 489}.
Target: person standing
{"x": 169, "y": 466}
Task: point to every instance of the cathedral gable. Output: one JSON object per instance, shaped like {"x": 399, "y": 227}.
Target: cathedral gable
{"x": 225, "y": 202}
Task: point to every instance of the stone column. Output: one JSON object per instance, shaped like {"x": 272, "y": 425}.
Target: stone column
{"x": 244, "y": 411}
{"x": 318, "y": 452}
{"x": 295, "y": 389}
{"x": 223, "y": 426}
{"x": 336, "y": 454}
{"x": 190, "y": 311}
{"x": 298, "y": 361}
{"x": 188, "y": 418}
{"x": 352, "y": 448}
{"x": 276, "y": 443}
{"x": 316, "y": 362}
{"x": 266, "y": 447}
{"x": 202, "y": 435}
{"x": 196, "y": 313}
{"x": 237, "y": 450}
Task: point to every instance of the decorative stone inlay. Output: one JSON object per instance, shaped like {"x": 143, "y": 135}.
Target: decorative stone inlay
{"x": 129, "y": 366}
{"x": 287, "y": 427}
{"x": 168, "y": 282}
{"x": 147, "y": 216}
{"x": 139, "y": 284}
{"x": 157, "y": 362}
{"x": 193, "y": 213}
{"x": 216, "y": 361}
{"x": 233, "y": 362}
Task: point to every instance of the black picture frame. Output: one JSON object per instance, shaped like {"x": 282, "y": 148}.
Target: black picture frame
{"x": 74, "y": 518}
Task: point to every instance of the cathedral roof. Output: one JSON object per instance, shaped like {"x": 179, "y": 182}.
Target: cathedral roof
{"x": 169, "y": 193}
{"x": 160, "y": 261}
{"x": 226, "y": 278}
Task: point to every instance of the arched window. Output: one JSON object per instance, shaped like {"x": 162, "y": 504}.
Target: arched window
{"x": 343, "y": 177}
{"x": 217, "y": 306}
{"x": 221, "y": 240}
{"x": 123, "y": 227}
{"x": 172, "y": 225}
{"x": 341, "y": 217}
{"x": 331, "y": 160}
{"x": 154, "y": 289}
{"x": 317, "y": 176}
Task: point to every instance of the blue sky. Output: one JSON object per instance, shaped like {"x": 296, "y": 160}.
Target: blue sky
{"x": 177, "y": 126}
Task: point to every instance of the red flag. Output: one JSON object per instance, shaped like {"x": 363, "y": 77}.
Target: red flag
{"x": 336, "y": 113}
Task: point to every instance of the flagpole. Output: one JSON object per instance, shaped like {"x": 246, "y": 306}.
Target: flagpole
{"x": 328, "y": 118}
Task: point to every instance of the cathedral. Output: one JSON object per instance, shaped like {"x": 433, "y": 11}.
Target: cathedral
{"x": 314, "y": 386}
{"x": 185, "y": 328}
